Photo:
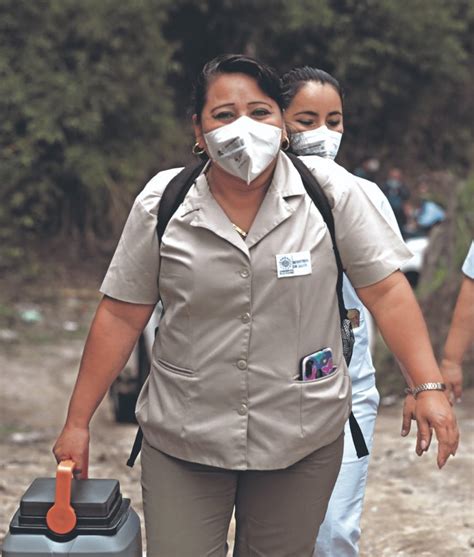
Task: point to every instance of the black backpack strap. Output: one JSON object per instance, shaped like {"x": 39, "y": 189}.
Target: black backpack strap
{"x": 357, "y": 437}
{"x": 174, "y": 194}
{"x": 319, "y": 198}
{"x": 172, "y": 197}
{"x": 137, "y": 447}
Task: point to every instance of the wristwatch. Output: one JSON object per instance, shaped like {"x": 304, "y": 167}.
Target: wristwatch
{"x": 426, "y": 387}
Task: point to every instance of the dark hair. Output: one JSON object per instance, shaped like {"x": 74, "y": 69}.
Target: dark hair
{"x": 264, "y": 75}
{"x": 294, "y": 80}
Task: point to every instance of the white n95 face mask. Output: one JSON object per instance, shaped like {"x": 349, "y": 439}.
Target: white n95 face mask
{"x": 244, "y": 148}
{"x": 322, "y": 142}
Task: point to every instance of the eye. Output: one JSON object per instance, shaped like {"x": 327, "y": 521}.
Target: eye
{"x": 223, "y": 116}
{"x": 333, "y": 123}
{"x": 305, "y": 122}
{"x": 260, "y": 113}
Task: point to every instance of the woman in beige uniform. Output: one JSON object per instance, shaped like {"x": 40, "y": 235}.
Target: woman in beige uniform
{"x": 246, "y": 274}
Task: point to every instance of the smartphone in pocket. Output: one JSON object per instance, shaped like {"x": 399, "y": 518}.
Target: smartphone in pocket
{"x": 317, "y": 365}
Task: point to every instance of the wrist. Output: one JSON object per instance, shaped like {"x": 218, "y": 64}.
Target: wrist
{"x": 76, "y": 423}
{"x": 430, "y": 394}
{"x": 425, "y": 388}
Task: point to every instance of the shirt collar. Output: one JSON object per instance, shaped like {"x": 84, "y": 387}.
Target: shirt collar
{"x": 286, "y": 182}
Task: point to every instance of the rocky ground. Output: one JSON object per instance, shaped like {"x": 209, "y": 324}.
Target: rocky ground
{"x": 411, "y": 507}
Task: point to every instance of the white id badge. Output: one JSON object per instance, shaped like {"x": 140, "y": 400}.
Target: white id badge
{"x": 293, "y": 264}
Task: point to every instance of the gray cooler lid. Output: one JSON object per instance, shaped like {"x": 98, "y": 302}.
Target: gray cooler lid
{"x": 93, "y": 498}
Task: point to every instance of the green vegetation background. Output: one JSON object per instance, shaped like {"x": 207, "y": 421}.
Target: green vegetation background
{"x": 95, "y": 97}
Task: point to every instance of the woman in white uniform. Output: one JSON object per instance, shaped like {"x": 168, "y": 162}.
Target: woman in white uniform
{"x": 314, "y": 117}
{"x": 246, "y": 274}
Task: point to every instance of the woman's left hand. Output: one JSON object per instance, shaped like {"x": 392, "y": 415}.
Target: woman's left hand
{"x": 433, "y": 411}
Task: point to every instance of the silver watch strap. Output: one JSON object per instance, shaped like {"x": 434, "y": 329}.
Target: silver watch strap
{"x": 427, "y": 387}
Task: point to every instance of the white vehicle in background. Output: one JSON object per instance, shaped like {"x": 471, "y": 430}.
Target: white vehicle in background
{"x": 412, "y": 269}
{"x": 125, "y": 389}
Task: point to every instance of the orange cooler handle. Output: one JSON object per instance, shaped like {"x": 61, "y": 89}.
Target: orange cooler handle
{"x": 61, "y": 517}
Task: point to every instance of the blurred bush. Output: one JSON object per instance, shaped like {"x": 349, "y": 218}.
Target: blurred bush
{"x": 404, "y": 66}
{"x": 94, "y": 96}
{"x": 86, "y": 113}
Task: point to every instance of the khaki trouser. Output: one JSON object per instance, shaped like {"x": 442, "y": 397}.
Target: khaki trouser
{"x": 188, "y": 506}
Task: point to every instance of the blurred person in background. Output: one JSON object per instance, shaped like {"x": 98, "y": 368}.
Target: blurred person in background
{"x": 397, "y": 194}
{"x": 428, "y": 213}
{"x": 368, "y": 168}
{"x": 461, "y": 332}
{"x": 460, "y": 338}
{"x": 227, "y": 419}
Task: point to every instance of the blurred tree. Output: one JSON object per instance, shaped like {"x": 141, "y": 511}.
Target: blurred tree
{"x": 404, "y": 64}
{"x": 85, "y": 112}
{"x": 94, "y": 95}
{"x": 203, "y": 29}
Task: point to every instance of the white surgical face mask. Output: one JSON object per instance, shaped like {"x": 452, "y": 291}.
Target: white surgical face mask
{"x": 321, "y": 141}
{"x": 244, "y": 148}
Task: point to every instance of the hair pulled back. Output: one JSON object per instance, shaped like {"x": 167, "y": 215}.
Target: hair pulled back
{"x": 265, "y": 76}
{"x": 294, "y": 80}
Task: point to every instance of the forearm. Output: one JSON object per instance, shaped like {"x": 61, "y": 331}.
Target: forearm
{"x": 461, "y": 332}
{"x": 112, "y": 336}
{"x": 405, "y": 374}
{"x": 399, "y": 318}
{"x": 396, "y": 311}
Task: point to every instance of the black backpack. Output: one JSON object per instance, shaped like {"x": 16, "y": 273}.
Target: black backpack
{"x": 174, "y": 195}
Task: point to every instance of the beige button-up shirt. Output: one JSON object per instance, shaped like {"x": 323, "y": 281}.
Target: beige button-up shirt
{"x": 224, "y": 388}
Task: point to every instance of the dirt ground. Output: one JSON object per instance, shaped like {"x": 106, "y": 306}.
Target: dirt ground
{"x": 411, "y": 508}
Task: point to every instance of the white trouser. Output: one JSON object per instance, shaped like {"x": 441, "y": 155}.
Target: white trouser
{"x": 340, "y": 532}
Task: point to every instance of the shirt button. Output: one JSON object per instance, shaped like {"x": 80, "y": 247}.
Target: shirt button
{"x": 243, "y": 409}
{"x": 244, "y": 273}
{"x": 242, "y": 364}
{"x": 245, "y": 317}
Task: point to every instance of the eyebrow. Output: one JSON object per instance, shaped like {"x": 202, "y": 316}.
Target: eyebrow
{"x": 233, "y": 104}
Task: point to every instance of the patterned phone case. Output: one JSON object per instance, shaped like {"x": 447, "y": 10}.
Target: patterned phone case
{"x": 317, "y": 365}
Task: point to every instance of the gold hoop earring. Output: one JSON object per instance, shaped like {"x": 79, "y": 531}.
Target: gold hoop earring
{"x": 285, "y": 144}
{"x": 197, "y": 150}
